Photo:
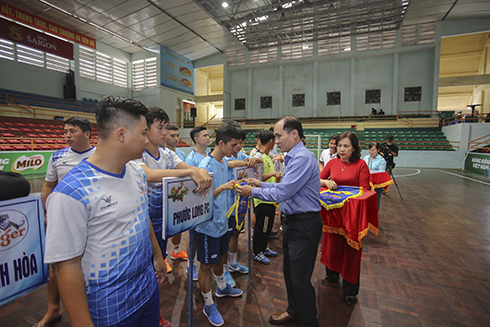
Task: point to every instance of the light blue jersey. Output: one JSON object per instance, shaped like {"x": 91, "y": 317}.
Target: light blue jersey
{"x": 62, "y": 161}
{"x": 103, "y": 218}
{"x": 194, "y": 158}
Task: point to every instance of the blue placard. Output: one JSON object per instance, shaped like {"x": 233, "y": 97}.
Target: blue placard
{"x": 182, "y": 208}
{"x": 22, "y": 240}
{"x": 177, "y": 72}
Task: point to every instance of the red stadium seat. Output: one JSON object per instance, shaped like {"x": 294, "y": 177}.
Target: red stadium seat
{"x": 31, "y": 135}
{"x": 93, "y": 141}
{"x": 25, "y": 141}
{"x": 7, "y": 134}
{"x": 42, "y": 125}
{"x": 6, "y": 148}
{"x": 46, "y": 147}
{"x": 13, "y": 141}
{"x": 44, "y": 136}
{"x": 37, "y": 130}
{"x": 21, "y": 147}
{"x": 25, "y": 129}
{"x": 7, "y": 123}
{"x": 31, "y": 125}
{"x": 2, "y": 141}
{"x": 50, "y": 142}
{"x": 54, "y": 136}
{"x": 14, "y": 129}
{"x": 36, "y": 147}
{"x": 3, "y": 129}
{"x": 60, "y": 141}
{"x": 20, "y": 124}
{"x": 39, "y": 141}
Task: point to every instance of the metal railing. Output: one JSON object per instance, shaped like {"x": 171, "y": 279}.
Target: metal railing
{"x": 481, "y": 144}
{"x": 469, "y": 118}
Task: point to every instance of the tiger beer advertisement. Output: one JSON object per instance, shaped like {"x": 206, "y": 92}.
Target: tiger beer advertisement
{"x": 22, "y": 240}
{"x": 183, "y": 208}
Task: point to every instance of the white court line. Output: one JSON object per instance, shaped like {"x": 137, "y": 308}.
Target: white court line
{"x": 412, "y": 174}
{"x": 471, "y": 179}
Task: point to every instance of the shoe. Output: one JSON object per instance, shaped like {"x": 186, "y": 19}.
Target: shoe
{"x": 269, "y": 253}
{"x": 281, "y": 318}
{"x": 181, "y": 255}
{"x": 273, "y": 233}
{"x": 228, "y": 279}
{"x": 194, "y": 273}
{"x": 238, "y": 267}
{"x": 262, "y": 258}
{"x": 213, "y": 315}
{"x": 228, "y": 291}
{"x": 331, "y": 279}
{"x": 385, "y": 193}
{"x": 169, "y": 268}
{"x": 50, "y": 323}
{"x": 351, "y": 300}
{"x": 164, "y": 322}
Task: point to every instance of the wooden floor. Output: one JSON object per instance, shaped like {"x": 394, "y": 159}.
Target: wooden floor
{"x": 429, "y": 266}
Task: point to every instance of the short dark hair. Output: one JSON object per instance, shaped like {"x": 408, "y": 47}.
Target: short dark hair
{"x": 389, "y": 137}
{"x": 265, "y": 136}
{"x": 83, "y": 123}
{"x": 242, "y": 133}
{"x": 355, "y": 144}
{"x": 291, "y": 123}
{"x": 226, "y": 133}
{"x": 156, "y": 114}
{"x": 195, "y": 130}
{"x": 376, "y": 144}
{"x": 113, "y": 111}
{"x": 234, "y": 123}
{"x": 172, "y": 127}
{"x": 333, "y": 137}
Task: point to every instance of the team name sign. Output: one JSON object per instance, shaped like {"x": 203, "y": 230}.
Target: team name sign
{"x": 183, "y": 208}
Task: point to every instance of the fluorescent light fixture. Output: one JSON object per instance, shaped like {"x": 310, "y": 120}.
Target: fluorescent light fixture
{"x": 225, "y": 4}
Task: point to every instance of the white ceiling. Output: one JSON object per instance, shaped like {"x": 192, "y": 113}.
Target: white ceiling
{"x": 184, "y": 27}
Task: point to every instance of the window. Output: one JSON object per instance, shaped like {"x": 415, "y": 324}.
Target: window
{"x": 120, "y": 72}
{"x": 240, "y": 104}
{"x": 7, "y": 50}
{"x": 298, "y": 100}
{"x": 297, "y": 51}
{"x": 145, "y": 74}
{"x": 333, "y": 98}
{"x": 87, "y": 62}
{"x": 373, "y": 96}
{"x": 30, "y": 56}
{"x": 235, "y": 58}
{"x": 266, "y": 102}
{"x": 334, "y": 45}
{"x": 57, "y": 63}
{"x": 261, "y": 56}
{"x": 413, "y": 94}
{"x": 375, "y": 41}
{"x": 427, "y": 33}
{"x": 103, "y": 68}
{"x": 409, "y": 35}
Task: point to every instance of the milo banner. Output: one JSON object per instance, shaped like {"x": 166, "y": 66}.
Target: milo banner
{"x": 184, "y": 209}
{"x": 22, "y": 240}
{"x": 25, "y": 162}
{"x": 477, "y": 162}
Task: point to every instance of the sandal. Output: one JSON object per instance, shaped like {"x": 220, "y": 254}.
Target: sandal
{"x": 50, "y": 323}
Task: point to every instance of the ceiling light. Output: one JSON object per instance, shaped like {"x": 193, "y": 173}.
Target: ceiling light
{"x": 225, "y": 4}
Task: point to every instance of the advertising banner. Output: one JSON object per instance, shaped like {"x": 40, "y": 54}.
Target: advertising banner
{"x": 22, "y": 241}
{"x": 477, "y": 162}
{"x": 25, "y": 162}
{"x": 31, "y": 38}
{"x": 182, "y": 208}
{"x": 177, "y": 71}
{"x": 43, "y": 24}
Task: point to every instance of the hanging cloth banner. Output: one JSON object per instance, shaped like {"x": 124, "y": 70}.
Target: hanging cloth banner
{"x": 25, "y": 17}
{"x": 333, "y": 199}
{"x": 34, "y": 39}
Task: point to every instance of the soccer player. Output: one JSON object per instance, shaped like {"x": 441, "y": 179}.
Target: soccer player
{"x": 77, "y": 133}
{"x": 99, "y": 234}
{"x": 173, "y": 139}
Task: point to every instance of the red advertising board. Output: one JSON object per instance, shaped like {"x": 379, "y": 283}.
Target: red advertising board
{"x": 34, "y": 39}
{"x": 30, "y": 19}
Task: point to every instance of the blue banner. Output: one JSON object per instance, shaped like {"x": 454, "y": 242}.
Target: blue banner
{"x": 182, "y": 208}
{"x": 177, "y": 72}
{"x": 332, "y": 199}
{"x": 22, "y": 241}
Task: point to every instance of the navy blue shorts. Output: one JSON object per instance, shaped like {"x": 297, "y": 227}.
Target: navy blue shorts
{"x": 210, "y": 248}
{"x": 232, "y": 230}
{"x": 161, "y": 242}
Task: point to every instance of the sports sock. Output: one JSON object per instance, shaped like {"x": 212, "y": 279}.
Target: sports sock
{"x": 208, "y": 298}
{"x": 220, "y": 280}
{"x": 177, "y": 248}
{"x": 233, "y": 258}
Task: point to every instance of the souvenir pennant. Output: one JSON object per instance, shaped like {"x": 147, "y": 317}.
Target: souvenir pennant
{"x": 240, "y": 207}
{"x": 332, "y": 199}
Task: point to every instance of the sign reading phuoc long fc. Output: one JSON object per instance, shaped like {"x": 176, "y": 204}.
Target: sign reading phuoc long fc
{"x": 40, "y": 41}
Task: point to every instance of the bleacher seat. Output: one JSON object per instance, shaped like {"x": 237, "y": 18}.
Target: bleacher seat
{"x": 6, "y": 148}
{"x": 61, "y": 141}
{"x": 44, "y": 136}
{"x": 20, "y": 147}
{"x": 39, "y": 141}
{"x": 31, "y": 135}
{"x": 50, "y": 142}
{"x": 26, "y": 141}
{"x": 13, "y": 141}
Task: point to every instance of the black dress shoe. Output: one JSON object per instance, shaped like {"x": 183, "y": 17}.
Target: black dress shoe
{"x": 331, "y": 278}
{"x": 350, "y": 300}
{"x": 281, "y": 318}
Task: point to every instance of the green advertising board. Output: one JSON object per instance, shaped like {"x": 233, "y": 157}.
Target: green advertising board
{"x": 25, "y": 162}
{"x": 477, "y": 162}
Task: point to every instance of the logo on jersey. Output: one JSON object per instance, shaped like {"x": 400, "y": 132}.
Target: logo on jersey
{"x": 141, "y": 187}
{"x": 13, "y": 228}
{"x": 109, "y": 202}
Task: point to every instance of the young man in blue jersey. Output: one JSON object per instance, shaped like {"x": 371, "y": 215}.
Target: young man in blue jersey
{"x": 200, "y": 136}
{"x": 99, "y": 233}
{"x": 212, "y": 238}
{"x": 158, "y": 162}
{"x": 173, "y": 140}
{"x": 77, "y": 133}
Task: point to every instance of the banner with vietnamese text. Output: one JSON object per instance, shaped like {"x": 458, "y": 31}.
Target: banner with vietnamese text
{"x": 22, "y": 240}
